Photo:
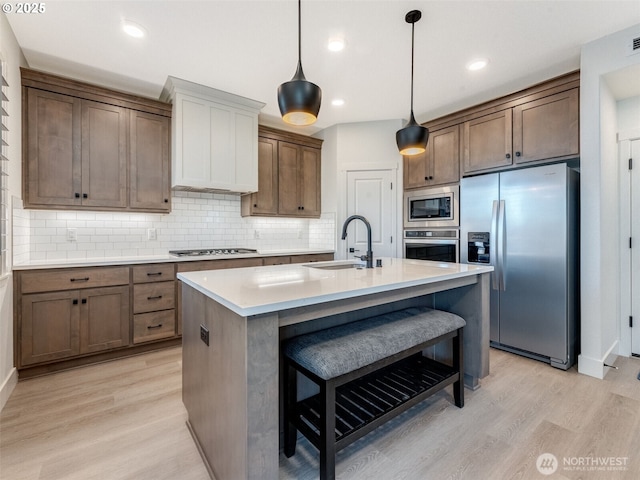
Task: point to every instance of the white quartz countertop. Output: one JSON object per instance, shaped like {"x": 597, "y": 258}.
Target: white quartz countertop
{"x": 103, "y": 261}
{"x": 257, "y": 290}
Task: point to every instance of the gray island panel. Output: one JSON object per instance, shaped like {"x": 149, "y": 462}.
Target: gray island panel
{"x": 230, "y": 388}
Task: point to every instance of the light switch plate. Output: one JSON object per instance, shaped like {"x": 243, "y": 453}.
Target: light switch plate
{"x": 72, "y": 234}
{"x": 152, "y": 234}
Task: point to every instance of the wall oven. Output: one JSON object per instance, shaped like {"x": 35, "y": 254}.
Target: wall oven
{"x": 434, "y": 207}
{"x": 439, "y": 245}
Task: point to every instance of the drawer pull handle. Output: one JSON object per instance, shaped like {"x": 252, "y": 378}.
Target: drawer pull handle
{"x": 154, "y": 274}
{"x": 154, "y": 298}
{"x": 85, "y": 279}
{"x": 151, "y": 327}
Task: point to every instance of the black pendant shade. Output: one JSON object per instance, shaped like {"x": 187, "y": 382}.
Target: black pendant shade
{"x": 412, "y": 139}
{"x": 299, "y": 100}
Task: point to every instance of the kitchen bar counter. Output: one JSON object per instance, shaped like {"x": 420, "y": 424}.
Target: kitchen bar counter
{"x": 166, "y": 258}
{"x": 252, "y": 291}
{"x": 234, "y": 321}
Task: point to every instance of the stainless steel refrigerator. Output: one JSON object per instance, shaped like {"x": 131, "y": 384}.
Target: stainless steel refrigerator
{"x": 525, "y": 223}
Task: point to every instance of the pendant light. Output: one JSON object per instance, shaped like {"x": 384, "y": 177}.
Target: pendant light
{"x": 298, "y": 99}
{"x": 412, "y": 139}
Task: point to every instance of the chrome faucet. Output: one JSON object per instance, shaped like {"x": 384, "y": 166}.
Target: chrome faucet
{"x": 369, "y": 256}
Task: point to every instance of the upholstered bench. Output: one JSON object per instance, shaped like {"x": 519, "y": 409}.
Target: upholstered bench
{"x": 368, "y": 372}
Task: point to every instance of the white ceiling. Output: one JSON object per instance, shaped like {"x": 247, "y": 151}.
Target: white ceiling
{"x": 250, "y": 47}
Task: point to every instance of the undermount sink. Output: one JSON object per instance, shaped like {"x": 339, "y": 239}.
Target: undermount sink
{"x": 339, "y": 265}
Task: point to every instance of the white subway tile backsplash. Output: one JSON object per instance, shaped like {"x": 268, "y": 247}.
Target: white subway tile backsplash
{"x": 197, "y": 220}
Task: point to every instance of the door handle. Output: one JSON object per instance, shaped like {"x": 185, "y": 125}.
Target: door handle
{"x": 502, "y": 245}
{"x": 494, "y": 252}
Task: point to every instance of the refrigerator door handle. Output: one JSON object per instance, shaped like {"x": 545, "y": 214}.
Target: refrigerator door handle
{"x": 493, "y": 243}
{"x": 502, "y": 246}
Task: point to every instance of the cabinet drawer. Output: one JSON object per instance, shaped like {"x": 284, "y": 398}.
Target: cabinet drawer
{"x": 154, "y": 325}
{"x": 71, "y": 279}
{"x": 219, "y": 264}
{"x": 276, "y": 260}
{"x": 317, "y": 257}
{"x": 150, "y": 297}
{"x": 156, "y": 272}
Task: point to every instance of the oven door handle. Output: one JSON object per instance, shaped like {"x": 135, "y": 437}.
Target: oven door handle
{"x": 435, "y": 241}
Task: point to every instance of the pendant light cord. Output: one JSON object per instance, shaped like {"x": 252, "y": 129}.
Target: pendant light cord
{"x": 299, "y": 34}
{"x": 413, "y": 26}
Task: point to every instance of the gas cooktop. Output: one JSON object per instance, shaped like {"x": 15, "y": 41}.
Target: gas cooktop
{"x": 210, "y": 251}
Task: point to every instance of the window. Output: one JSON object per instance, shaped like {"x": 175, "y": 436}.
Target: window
{"x": 4, "y": 175}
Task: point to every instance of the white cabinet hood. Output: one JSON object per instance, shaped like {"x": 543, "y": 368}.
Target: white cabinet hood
{"x": 214, "y": 138}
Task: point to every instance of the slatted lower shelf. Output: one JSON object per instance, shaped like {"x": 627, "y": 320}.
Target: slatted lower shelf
{"x": 366, "y": 399}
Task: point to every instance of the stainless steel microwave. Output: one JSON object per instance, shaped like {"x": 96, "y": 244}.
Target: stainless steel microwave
{"x": 432, "y": 207}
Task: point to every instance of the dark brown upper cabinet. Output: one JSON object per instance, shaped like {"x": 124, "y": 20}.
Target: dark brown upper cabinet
{"x": 439, "y": 165}
{"x": 289, "y": 170}
{"x": 86, "y": 147}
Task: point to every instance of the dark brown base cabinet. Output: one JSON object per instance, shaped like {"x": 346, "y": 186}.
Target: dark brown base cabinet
{"x": 89, "y": 147}
{"x": 68, "y": 317}
{"x": 71, "y": 312}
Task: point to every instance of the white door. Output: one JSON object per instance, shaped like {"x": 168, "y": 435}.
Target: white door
{"x": 635, "y": 250}
{"x": 370, "y": 194}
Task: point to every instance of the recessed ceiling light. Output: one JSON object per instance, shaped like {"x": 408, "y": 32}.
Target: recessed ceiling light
{"x": 337, "y": 102}
{"x": 133, "y": 29}
{"x": 335, "y": 44}
{"x": 477, "y": 64}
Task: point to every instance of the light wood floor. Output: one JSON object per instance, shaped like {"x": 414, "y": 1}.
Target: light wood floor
{"x": 125, "y": 420}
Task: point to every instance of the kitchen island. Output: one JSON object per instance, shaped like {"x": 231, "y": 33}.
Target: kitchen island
{"x": 234, "y": 321}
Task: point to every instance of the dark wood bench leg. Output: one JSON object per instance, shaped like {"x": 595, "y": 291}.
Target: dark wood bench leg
{"x": 458, "y": 364}
{"x": 290, "y": 399}
{"x": 327, "y": 431}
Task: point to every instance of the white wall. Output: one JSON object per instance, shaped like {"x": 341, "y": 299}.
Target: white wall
{"x": 354, "y": 146}
{"x": 600, "y": 237}
{"x": 628, "y": 111}
{"x": 12, "y": 55}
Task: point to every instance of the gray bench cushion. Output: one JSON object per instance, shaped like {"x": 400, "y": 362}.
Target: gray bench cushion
{"x": 335, "y": 351}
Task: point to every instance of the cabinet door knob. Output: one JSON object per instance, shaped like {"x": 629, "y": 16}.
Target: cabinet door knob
{"x": 430, "y": 177}
{"x": 166, "y": 200}
{"x": 84, "y": 300}
{"x": 302, "y": 207}
{"x": 426, "y": 178}
{"x": 255, "y": 205}
{"x": 84, "y": 195}
{"x": 75, "y": 301}
{"x": 508, "y": 155}
{"x": 517, "y": 154}
{"x": 77, "y": 195}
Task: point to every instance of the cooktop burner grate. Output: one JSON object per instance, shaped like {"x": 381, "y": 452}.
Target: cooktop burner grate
{"x": 210, "y": 251}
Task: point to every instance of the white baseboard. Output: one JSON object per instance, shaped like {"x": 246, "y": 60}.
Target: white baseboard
{"x": 595, "y": 367}
{"x": 7, "y": 387}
